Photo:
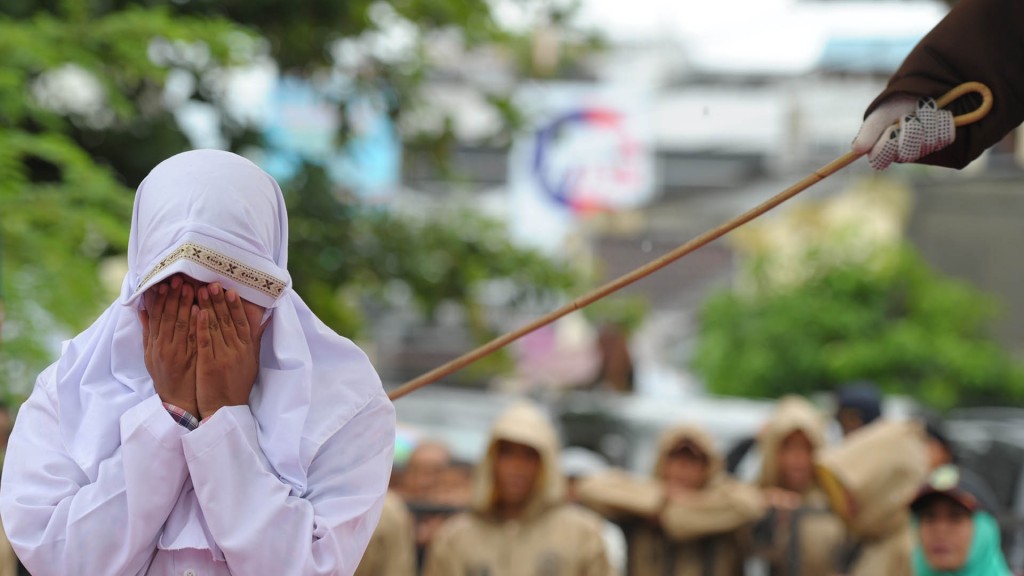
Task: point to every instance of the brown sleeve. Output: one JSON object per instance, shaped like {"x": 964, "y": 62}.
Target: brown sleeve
{"x": 8, "y": 560}
{"x": 442, "y": 555}
{"x": 391, "y": 551}
{"x": 723, "y": 508}
{"x": 892, "y": 555}
{"x": 979, "y": 40}
{"x": 617, "y": 494}
{"x": 400, "y": 556}
{"x": 593, "y": 555}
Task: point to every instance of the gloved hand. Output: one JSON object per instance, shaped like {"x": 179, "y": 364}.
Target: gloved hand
{"x": 923, "y": 129}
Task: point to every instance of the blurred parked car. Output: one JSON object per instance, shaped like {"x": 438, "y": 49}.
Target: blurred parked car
{"x": 990, "y": 442}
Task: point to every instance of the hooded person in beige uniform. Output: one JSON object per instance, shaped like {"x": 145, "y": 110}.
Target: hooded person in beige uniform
{"x": 520, "y": 524}
{"x": 870, "y": 480}
{"x": 8, "y": 560}
{"x": 392, "y": 549}
{"x": 788, "y": 443}
{"x": 690, "y": 519}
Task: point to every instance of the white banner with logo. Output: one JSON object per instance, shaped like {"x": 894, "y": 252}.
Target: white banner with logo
{"x": 587, "y": 149}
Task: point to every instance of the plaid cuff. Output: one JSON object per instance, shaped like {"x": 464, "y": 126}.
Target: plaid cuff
{"x": 182, "y": 417}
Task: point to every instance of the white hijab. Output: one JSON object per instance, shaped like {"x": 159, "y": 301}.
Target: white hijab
{"x": 214, "y": 216}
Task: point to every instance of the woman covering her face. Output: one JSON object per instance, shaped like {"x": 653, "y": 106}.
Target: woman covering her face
{"x": 208, "y": 422}
{"x": 956, "y": 533}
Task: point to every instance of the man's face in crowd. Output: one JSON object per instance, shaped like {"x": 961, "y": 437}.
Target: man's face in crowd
{"x": 516, "y": 469}
{"x": 796, "y": 462}
{"x": 849, "y": 419}
{"x": 938, "y": 455}
{"x": 456, "y": 486}
{"x": 685, "y": 470}
{"x": 425, "y": 471}
{"x": 945, "y": 530}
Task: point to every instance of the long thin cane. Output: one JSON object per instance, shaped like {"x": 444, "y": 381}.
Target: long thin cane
{"x": 705, "y": 238}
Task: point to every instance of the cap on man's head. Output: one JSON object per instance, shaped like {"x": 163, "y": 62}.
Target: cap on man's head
{"x": 950, "y": 482}
{"x": 863, "y": 397}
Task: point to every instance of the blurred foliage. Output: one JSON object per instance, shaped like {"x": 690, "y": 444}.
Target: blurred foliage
{"x": 85, "y": 113}
{"x": 626, "y": 312}
{"x": 300, "y": 32}
{"x": 894, "y": 321}
{"x": 63, "y": 206}
{"x": 374, "y": 253}
{"x": 355, "y": 257}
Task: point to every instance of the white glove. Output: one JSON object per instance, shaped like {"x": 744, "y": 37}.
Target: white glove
{"x": 923, "y": 129}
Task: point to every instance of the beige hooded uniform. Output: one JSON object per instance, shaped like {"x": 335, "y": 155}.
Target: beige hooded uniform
{"x": 8, "y": 561}
{"x": 870, "y": 480}
{"x": 819, "y": 531}
{"x": 551, "y": 538}
{"x": 698, "y": 536}
{"x": 392, "y": 551}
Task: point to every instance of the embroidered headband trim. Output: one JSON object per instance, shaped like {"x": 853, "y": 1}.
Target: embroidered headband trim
{"x": 221, "y": 264}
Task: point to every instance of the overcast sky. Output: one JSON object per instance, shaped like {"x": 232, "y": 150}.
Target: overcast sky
{"x": 758, "y": 34}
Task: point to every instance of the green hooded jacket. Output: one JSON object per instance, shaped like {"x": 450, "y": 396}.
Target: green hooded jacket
{"x": 985, "y": 558}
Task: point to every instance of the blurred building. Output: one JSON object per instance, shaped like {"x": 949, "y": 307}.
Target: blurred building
{"x": 730, "y": 123}
{"x": 690, "y": 116}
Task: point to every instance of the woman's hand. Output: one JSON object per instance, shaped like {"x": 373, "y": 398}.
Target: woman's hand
{"x": 169, "y": 342}
{"x": 228, "y": 350}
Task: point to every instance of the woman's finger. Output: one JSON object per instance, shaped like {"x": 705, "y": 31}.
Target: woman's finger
{"x": 204, "y": 337}
{"x": 193, "y": 330}
{"x": 182, "y": 325}
{"x": 212, "y": 323}
{"x": 170, "y": 309}
{"x": 156, "y": 306}
{"x": 144, "y": 318}
{"x": 238, "y": 317}
{"x": 148, "y": 299}
{"x": 220, "y": 307}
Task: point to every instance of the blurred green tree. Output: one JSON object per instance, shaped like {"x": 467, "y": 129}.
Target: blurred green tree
{"x": 350, "y": 251}
{"x": 85, "y": 112}
{"x": 893, "y": 320}
{"x": 68, "y": 82}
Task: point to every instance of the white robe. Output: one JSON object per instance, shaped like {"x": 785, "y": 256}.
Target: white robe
{"x": 140, "y": 515}
{"x": 98, "y": 478}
